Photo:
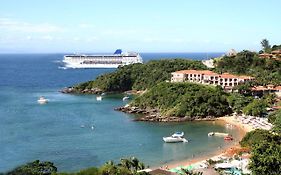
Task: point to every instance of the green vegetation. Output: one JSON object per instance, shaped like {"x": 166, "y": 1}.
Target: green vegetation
{"x": 185, "y": 99}
{"x": 275, "y": 118}
{"x": 276, "y": 47}
{"x": 266, "y": 71}
{"x": 255, "y": 137}
{"x": 238, "y": 101}
{"x": 265, "y": 46}
{"x": 266, "y": 152}
{"x": 139, "y": 76}
{"x": 34, "y": 168}
{"x": 125, "y": 167}
{"x": 256, "y": 108}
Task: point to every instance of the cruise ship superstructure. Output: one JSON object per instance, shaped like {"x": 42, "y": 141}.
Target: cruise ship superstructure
{"x": 102, "y": 61}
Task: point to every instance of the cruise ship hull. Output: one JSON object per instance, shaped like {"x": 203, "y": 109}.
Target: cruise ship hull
{"x": 101, "y": 61}
{"x": 90, "y": 66}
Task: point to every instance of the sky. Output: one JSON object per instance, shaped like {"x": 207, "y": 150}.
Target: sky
{"x": 60, "y": 26}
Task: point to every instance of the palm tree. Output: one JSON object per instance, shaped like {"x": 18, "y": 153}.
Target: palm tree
{"x": 126, "y": 163}
{"x": 109, "y": 162}
{"x": 187, "y": 172}
{"x": 265, "y": 45}
{"x": 136, "y": 164}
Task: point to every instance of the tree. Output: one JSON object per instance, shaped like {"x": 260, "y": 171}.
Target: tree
{"x": 275, "y": 119}
{"x": 265, "y": 46}
{"x": 136, "y": 164}
{"x": 187, "y": 172}
{"x": 35, "y": 168}
{"x": 238, "y": 101}
{"x": 139, "y": 76}
{"x": 265, "y": 152}
{"x": 266, "y": 159}
{"x": 256, "y": 108}
{"x": 257, "y": 136}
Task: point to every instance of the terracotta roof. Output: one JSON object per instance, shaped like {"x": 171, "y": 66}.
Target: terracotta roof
{"x": 264, "y": 88}
{"x": 227, "y": 75}
{"x": 259, "y": 88}
{"x": 277, "y": 51}
{"x": 276, "y": 107}
{"x": 265, "y": 54}
{"x": 277, "y": 88}
{"x": 195, "y": 72}
{"x": 246, "y": 77}
{"x": 208, "y": 72}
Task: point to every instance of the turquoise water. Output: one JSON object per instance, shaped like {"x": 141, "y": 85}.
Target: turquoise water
{"x": 61, "y": 131}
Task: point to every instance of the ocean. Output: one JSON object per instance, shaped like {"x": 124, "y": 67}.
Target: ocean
{"x": 61, "y": 131}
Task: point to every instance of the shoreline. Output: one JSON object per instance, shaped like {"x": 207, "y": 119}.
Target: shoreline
{"x": 242, "y": 130}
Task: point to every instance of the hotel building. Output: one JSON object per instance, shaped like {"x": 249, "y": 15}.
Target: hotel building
{"x": 225, "y": 80}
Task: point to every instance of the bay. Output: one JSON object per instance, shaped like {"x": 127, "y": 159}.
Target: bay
{"x": 61, "y": 131}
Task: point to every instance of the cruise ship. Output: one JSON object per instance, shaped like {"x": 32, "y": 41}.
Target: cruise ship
{"x": 115, "y": 60}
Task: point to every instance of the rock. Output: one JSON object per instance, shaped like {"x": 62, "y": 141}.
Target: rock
{"x": 72, "y": 90}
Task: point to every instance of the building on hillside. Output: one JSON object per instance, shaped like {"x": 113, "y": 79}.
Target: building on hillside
{"x": 225, "y": 80}
{"x": 231, "y": 53}
{"x": 260, "y": 90}
{"x": 276, "y": 54}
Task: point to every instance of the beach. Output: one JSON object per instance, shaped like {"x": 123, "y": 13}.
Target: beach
{"x": 242, "y": 128}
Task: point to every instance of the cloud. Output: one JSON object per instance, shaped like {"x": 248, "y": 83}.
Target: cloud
{"x": 85, "y": 26}
{"x": 21, "y": 26}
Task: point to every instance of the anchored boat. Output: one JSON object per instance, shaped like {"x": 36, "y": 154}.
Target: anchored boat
{"x": 176, "y": 137}
{"x": 42, "y": 100}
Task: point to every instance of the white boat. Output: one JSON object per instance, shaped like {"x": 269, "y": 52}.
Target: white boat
{"x": 176, "y": 137}
{"x": 102, "y": 61}
{"x": 219, "y": 134}
{"x": 125, "y": 98}
{"x": 99, "y": 98}
{"x": 42, "y": 100}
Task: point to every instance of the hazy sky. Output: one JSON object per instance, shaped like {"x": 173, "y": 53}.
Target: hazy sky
{"x": 137, "y": 25}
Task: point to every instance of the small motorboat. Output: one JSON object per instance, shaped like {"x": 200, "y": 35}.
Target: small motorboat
{"x": 176, "y": 137}
{"x": 211, "y": 134}
{"x": 99, "y": 98}
{"x": 228, "y": 138}
{"x": 125, "y": 98}
{"x": 42, "y": 100}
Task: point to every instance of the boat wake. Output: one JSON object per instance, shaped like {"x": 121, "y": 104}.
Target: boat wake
{"x": 57, "y": 61}
{"x": 62, "y": 67}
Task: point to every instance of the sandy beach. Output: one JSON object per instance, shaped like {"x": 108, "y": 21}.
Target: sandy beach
{"x": 242, "y": 128}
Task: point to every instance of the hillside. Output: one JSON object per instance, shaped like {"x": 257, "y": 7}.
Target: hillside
{"x": 266, "y": 71}
{"x": 139, "y": 76}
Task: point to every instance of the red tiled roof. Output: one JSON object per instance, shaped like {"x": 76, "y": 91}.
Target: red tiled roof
{"x": 259, "y": 88}
{"x": 264, "y": 88}
{"x": 277, "y": 88}
{"x": 208, "y": 72}
{"x": 276, "y": 51}
{"x": 195, "y": 72}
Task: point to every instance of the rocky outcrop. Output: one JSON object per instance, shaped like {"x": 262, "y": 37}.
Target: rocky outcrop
{"x": 154, "y": 115}
{"x": 72, "y": 90}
